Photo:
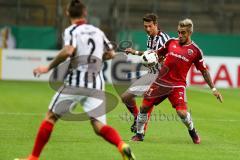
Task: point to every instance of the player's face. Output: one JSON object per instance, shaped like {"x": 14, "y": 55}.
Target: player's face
{"x": 184, "y": 35}
{"x": 150, "y": 28}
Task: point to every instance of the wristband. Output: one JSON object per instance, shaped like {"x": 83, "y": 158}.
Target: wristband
{"x": 136, "y": 52}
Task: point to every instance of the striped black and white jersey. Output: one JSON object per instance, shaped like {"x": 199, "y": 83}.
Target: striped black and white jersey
{"x": 154, "y": 43}
{"x": 89, "y": 43}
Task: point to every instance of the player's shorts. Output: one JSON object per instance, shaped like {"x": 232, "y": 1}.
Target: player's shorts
{"x": 158, "y": 93}
{"x": 140, "y": 86}
{"x": 63, "y": 105}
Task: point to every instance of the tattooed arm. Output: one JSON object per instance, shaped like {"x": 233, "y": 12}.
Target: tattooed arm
{"x": 208, "y": 79}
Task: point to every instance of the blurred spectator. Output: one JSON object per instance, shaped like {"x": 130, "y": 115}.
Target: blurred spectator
{"x": 7, "y": 40}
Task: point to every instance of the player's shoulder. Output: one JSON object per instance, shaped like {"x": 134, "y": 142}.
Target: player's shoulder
{"x": 84, "y": 27}
{"x": 164, "y": 34}
{"x": 171, "y": 40}
{"x": 92, "y": 27}
{"x": 195, "y": 47}
{"x": 69, "y": 29}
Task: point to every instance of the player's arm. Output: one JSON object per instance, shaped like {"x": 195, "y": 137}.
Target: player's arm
{"x": 200, "y": 65}
{"x": 66, "y": 52}
{"x": 161, "y": 52}
{"x": 109, "y": 51}
{"x": 109, "y": 55}
{"x": 209, "y": 81}
{"x": 133, "y": 51}
{"x": 70, "y": 43}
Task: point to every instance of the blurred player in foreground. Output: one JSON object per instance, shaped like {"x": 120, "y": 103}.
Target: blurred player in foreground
{"x": 180, "y": 54}
{"x": 80, "y": 39}
{"x": 156, "y": 39}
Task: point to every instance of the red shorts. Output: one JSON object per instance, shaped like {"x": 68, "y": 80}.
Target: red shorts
{"x": 157, "y": 93}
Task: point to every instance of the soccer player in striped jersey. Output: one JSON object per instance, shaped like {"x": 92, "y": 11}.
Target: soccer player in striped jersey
{"x": 89, "y": 43}
{"x": 181, "y": 54}
{"x": 156, "y": 39}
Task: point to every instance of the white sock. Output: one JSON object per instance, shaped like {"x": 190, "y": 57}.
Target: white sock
{"x": 188, "y": 121}
{"x": 141, "y": 120}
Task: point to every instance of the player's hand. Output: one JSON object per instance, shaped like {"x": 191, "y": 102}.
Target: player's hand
{"x": 40, "y": 70}
{"x": 130, "y": 50}
{"x": 217, "y": 94}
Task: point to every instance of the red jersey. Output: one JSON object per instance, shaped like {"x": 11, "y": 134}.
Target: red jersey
{"x": 179, "y": 59}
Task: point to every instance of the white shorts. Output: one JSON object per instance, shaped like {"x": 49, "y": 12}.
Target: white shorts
{"x": 64, "y": 104}
{"x": 140, "y": 86}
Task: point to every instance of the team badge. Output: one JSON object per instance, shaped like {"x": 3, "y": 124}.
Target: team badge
{"x": 181, "y": 95}
{"x": 190, "y": 51}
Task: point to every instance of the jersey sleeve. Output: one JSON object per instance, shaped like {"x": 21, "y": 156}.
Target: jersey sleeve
{"x": 165, "y": 37}
{"x": 164, "y": 49}
{"x": 70, "y": 38}
{"x": 199, "y": 62}
{"x": 107, "y": 44}
{"x": 148, "y": 45}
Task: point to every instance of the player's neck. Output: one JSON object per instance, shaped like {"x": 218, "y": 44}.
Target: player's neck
{"x": 189, "y": 41}
{"x": 78, "y": 21}
{"x": 155, "y": 33}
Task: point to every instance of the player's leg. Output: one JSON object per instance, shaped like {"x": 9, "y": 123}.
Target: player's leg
{"x": 95, "y": 108}
{"x": 185, "y": 117}
{"x": 151, "y": 98}
{"x": 149, "y": 116}
{"x": 129, "y": 100}
{"x": 112, "y": 136}
{"x": 43, "y": 135}
{"x": 45, "y": 129}
{"x": 187, "y": 120}
{"x": 107, "y": 132}
{"x": 142, "y": 118}
{"x": 159, "y": 94}
{"x": 178, "y": 100}
{"x": 138, "y": 88}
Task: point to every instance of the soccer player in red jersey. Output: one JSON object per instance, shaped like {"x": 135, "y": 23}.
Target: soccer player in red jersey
{"x": 80, "y": 39}
{"x": 180, "y": 54}
{"x": 156, "y": 39}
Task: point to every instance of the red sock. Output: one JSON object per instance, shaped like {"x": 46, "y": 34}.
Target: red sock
{"x": 132, "y": 107}
{"x": 111, "y": 135}
{"x": 149, "y": 114}
{"x": 43, "y": 135}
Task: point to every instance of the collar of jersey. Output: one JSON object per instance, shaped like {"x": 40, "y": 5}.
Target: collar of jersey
{"x": 159, "y": 32}
{"x": 188, "y": 44}
{"x": 80, "y": 22}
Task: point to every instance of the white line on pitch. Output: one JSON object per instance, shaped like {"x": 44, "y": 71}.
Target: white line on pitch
{"x": 42, "y": 114}
{"x": 21, "y": 114}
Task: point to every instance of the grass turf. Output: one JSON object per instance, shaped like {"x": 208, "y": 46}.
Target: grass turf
{"x": 23, "y": 104}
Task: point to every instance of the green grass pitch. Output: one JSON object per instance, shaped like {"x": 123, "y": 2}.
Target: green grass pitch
{"x": 23, "y": 104}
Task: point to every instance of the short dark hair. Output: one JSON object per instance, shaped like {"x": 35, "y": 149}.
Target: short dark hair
{"x": 76, "y": 9}
{"x": 150, "y": 17}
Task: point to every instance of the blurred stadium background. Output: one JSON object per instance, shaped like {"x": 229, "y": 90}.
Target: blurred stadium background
{"x": 31, "y": 32}
{"x": 46, "y": 17}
